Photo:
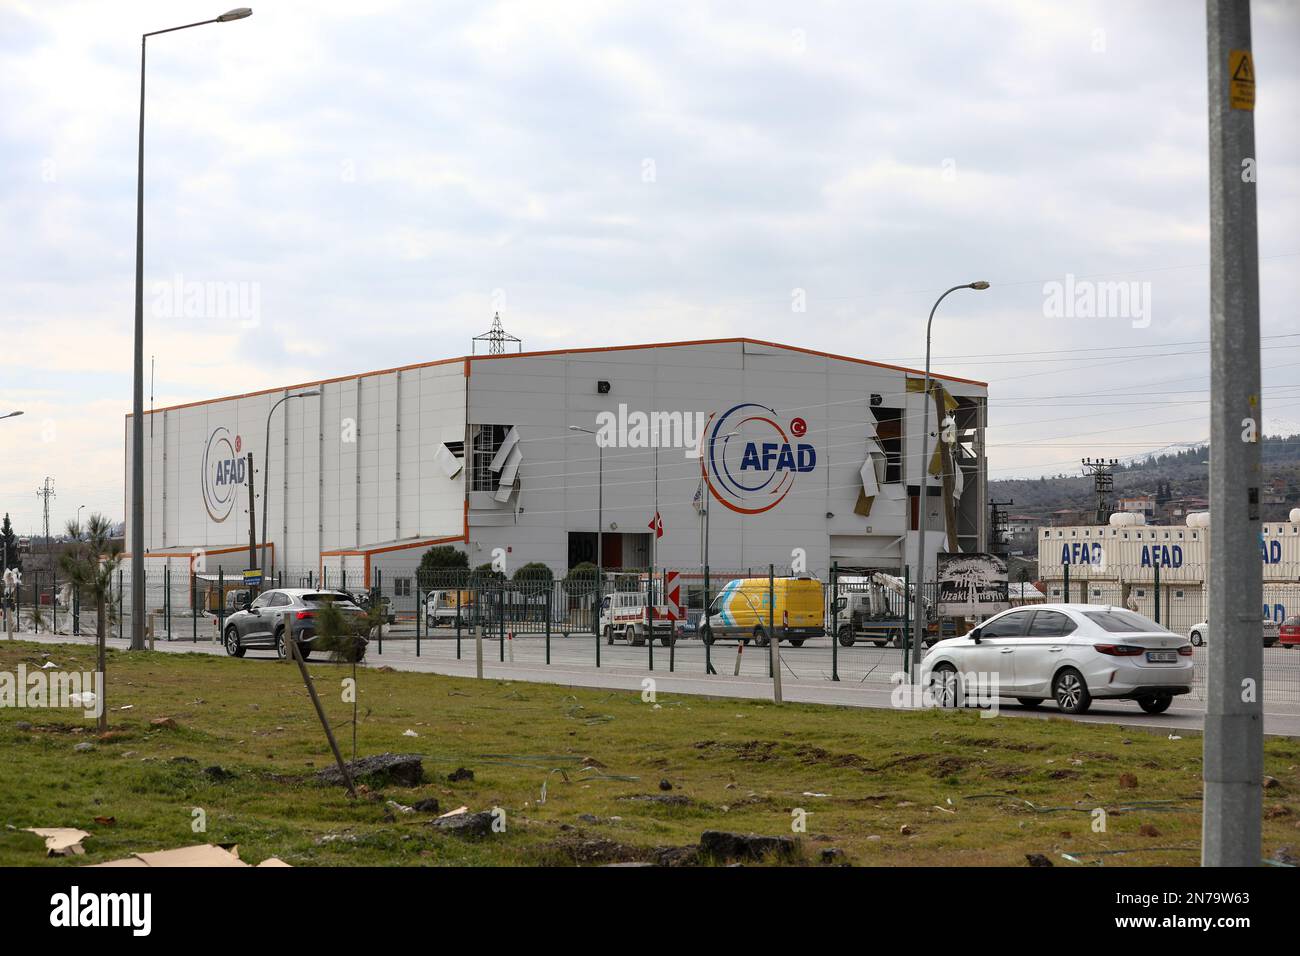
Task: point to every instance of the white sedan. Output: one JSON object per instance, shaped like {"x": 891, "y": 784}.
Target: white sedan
{"x": 1272, "y": 629}
{"x": 1073, "y": 653}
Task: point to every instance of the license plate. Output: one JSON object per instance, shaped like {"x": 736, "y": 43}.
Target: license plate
{"x": 1162, "y": 657}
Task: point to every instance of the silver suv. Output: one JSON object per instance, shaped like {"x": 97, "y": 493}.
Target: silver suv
{"x": 263, "y": 624}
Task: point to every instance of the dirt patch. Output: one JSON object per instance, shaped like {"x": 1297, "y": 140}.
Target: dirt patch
{"x": 947, "y": 766}
{"x": 995, "y": 743}
{"x": 1008, "y": 773}
{"x": 816, "y": 756}
{"x": 759, "y": 751}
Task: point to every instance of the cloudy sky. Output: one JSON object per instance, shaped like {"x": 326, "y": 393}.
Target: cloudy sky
{"x": 373, "y": 180}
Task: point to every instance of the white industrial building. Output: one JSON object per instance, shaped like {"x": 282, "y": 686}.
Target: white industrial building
{"x": 795, "y": 451}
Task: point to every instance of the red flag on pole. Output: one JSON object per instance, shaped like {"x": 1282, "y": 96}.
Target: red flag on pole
{"x": 657, "y": 525}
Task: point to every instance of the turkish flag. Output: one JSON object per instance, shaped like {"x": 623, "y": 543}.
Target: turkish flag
{"x": 657, "y": 525}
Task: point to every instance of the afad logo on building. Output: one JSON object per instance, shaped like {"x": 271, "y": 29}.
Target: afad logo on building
{"x": 223, "y": 472}
{"x": 751, "y": 459}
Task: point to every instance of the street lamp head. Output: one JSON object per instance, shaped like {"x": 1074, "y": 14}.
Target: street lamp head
{"x": 981, "y": 285}
{"x": 236, "y": 14}
{"x": 314, "y": 391}
{"x": 11, "y": 415}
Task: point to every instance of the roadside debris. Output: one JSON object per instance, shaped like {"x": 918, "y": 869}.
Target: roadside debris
{"x": 403, "y": 770}
{"x": 736, "y": 846}
{"x": 201, "y": 854}
{"x": 61, "y": 841}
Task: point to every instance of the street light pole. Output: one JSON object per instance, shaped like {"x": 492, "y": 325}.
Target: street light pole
{"x": 137, "y": 391}
{"x": 266, "y": 464}
{"x": 923, "y": 496}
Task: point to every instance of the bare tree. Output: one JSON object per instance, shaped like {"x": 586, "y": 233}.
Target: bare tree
{"x": 89, "y": 563}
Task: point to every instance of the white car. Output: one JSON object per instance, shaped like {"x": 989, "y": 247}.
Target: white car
{"x": 1073, "y": 653}
{"x": 1271, "y": 630}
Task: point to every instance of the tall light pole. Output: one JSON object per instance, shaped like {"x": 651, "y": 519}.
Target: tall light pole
{"x": 78, "y": 522}
{"x": 137, "y": 397}
{"x": 922, "y": 498}
{"x": 266, "y": 463}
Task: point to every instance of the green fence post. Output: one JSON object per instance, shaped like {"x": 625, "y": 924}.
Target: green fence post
{"x": 221, "y": 603}
{"x": 835, "y": 620}
{"x": 907, "y": 619}
{"x": 595, "y": 619}
{"x": 419, "y": 613}
{"x": 672, "y": 628}
{"x": 771, "y": 611}
{"x": 501, "y": 625}
{"x": 704, "y": 622}
{"x": 649, "y": 616}
{"x": 1155, "y": 569}
{"x": 458, "y": 620}
{"x": 167, "y": 598}
{"x": 550, "y": 595}
{"x": 1065, "y": 587}
{"x": 121, "y": 621}
{"x": 194, "y": 606}
{"x": 377, "y": 600}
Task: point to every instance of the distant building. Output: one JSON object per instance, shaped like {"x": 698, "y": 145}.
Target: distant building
{"x": 1144, "y": 505}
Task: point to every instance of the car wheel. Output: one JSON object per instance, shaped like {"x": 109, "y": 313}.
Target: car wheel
{"x": 1269, "y": 643}
{"x": 232, "y": 643}
{"x": 759, "y": 637}
{"x": 281, "y": 649}
{"x": 666, "y": 639}
{"x": 1157, "y": 704}
{"x": 1071, "y": 692}
{"x": 1197, "y": 639}
{"x": 944, "y": 685}
{"x": 629, "y": 635}
{"x": 706, "y": 634}
{"x": 846, "y": 636}
{"x": 797, "y": 642}
{"x": 1030, "y": 702}
{"x": 609, "y": 635}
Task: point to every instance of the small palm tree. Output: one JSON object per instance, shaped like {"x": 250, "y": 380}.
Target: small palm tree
{"x": 89, "y": 565}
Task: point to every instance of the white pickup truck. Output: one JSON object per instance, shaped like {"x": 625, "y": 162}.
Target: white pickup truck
{"x": 626, "y": 614}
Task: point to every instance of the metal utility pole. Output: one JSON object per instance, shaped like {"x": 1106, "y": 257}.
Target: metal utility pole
{"x": 1234, "y": 724}
{"x": 46, "y": 492}
{"x": 998, "y": 525}
{"x": 1103, "y": 482}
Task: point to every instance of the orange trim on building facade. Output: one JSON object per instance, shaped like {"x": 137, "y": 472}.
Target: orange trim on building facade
{"x": 469, "y": 359}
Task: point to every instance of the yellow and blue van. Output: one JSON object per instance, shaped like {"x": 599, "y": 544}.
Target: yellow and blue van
{"x": 741, "y": 609}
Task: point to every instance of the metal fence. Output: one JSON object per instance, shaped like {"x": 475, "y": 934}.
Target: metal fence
{"x": 557, "y": 622}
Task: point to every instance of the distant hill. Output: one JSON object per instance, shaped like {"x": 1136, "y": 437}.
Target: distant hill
{"x": 1181, "y": 473}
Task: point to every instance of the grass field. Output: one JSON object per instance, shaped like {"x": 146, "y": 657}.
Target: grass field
{"x": 886, "y": 788}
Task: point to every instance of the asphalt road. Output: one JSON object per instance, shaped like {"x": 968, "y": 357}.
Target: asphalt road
{"x": 865, "y": 673}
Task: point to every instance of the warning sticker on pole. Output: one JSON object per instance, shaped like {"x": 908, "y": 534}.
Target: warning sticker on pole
{"x": 1241, "y": 80}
